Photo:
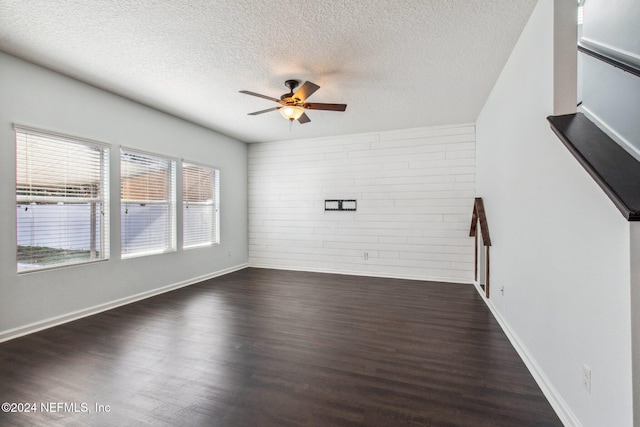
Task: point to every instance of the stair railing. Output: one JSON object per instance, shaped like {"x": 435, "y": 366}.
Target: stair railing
{"x": 479, "y": 217}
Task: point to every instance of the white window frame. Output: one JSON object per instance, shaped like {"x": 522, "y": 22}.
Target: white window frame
{"x": 57, "y": 185}
{"x": 213, "y": 202}
{"x": 169, "y": 200}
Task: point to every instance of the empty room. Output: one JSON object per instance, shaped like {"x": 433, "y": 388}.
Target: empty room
{"x": 363, "y": 213}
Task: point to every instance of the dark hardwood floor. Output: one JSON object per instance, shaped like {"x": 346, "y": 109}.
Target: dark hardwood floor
{"x": 278, "y": 348}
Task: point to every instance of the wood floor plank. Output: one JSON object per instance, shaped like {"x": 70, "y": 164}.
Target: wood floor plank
{"x": 268, "y": 348}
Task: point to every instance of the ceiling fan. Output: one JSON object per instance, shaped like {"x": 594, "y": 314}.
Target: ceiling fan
{"x": 292, "y": 105}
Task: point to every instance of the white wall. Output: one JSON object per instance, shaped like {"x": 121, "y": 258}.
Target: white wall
{"x": 414, "y": 190}
{"x": 560, "y": 247}
{"x": 634, "y": 302}
{"x": 613, "y": 24}
{"x": 36, "y": 97}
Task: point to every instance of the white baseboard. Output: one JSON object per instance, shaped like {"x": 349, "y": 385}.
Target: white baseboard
{"x": 362, "y": 273}
{"x": 75, "y": 315}
{"x": 556, "y": 401}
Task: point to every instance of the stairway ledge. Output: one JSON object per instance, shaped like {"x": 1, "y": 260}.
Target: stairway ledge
{"x": 613, "y": 169}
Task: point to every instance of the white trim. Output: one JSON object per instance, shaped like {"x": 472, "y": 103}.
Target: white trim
{"x": 205, "y": 165}
{"x": 79, "y": 314}
{"x": 30, "y": 269}
{"x": 148, "y": 153}
{"x": 130, "y": 255}
{"x": 481, "y": 291}
{"x": 362, "y": 273}
{"x": 621, "y": 140}
{"x": 58, "y": 135}
{"x": 556, "y": 401}
{"x": 200, "y": 245}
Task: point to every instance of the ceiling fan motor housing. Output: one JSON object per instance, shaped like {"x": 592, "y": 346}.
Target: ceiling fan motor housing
{"x": 291, "y": 84}
{"x": 288, "y": 97}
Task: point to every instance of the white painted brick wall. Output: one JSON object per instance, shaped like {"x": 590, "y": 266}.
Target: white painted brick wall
{"x": 414, "y": 188}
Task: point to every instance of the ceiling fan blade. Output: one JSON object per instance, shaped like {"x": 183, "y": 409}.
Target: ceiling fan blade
{"x": 246, "y": 92}
{"x": 306, "y": 90}
{"x": 304, "y": 119}
{"x": 263, "y": 111}
{"x": 321, "y": 106}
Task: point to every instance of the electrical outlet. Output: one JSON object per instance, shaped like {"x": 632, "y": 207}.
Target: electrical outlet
{"x": 502, "y": 290}
{"x": 229, "y": 253}
{"x": 586, "y": 378}
{"x": 366, "y": 256}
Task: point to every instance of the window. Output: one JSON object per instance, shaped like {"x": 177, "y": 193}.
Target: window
{"x": 62, "y": 200}
{"x": 147, "y": 194}
{"x": 199, "y": 205}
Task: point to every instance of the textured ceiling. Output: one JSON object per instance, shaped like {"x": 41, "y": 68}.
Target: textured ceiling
{"x": 397, "y": 64}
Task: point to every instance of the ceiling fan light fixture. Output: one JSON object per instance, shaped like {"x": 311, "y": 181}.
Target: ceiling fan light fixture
{"x": 292, "y": 105}
{"x": 291, "y": 112}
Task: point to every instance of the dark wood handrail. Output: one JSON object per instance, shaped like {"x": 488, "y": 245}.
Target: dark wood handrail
{"x": 480, "y": 217}
{"x": 608, "y": 56}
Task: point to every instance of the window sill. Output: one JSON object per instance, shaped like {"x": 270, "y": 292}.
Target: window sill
{"x": 613, "y": 169}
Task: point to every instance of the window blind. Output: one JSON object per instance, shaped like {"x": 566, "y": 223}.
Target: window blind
{"x": 62, "y": 200}
{"x": 147, "y": 192}
{"x": 200, "y": 194}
